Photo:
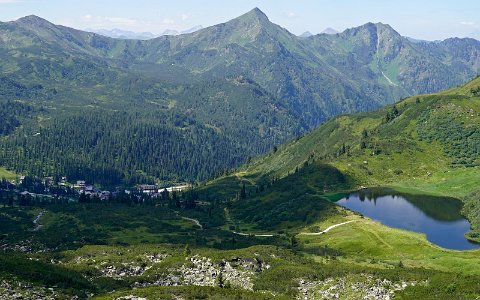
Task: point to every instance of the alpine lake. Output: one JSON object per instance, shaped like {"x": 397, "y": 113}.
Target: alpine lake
{"x": 439, "y": 218}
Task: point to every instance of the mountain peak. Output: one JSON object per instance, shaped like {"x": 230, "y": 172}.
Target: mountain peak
{"x": 306, "y": 34}
{"x": 373, "y": 28}
{"x": 33, "y": 20}
{"x": 255, "y": 15}
{"x": 249, "y": 26}
{"x": 386, "y": 27}
{"x": 258, "y": 13}
{"x": 35, "y": 23}
{"x": 330, "y": 30}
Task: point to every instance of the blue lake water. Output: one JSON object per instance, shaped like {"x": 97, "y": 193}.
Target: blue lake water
{"x": 438, "y": 217}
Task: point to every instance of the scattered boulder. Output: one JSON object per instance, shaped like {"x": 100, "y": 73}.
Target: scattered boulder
{"x": 362, "y": 286}
{"x": 201, "y": 271}
{"x": 131, "y": 297}
{"x": 15, "y": 289}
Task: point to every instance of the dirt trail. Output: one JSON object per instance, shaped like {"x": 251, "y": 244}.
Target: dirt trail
{"x": 37, "y": 220}
{"x": 194, "y": 221}
{"x": 249, "y": 234}
{"x": 328, "y": 229}
{"x": 266, "y": 235}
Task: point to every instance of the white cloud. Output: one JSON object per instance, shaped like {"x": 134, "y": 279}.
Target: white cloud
{"x": 11, "y": 1}
{"x": 468, "y": 23}
{"x": 105, "y": 21}
{"x": 92, "y": 21}
{"x": 119, "y": 20}
{"x": 168, "y": 21}
{"x": 291, "y": 14}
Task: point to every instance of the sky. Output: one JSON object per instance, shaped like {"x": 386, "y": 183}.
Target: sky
{"x": 421, "y": 19}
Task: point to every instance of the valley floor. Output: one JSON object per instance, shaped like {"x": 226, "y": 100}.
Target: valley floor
{"x": 353, "y": 258}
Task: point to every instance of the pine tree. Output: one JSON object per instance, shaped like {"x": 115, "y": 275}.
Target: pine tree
{"x": 243, "y": 192}
{"x": 364, "y": 133}
{"x": 23, "y": 200}
{"x": 83, "y": 198}
{"x": 395, "y": 112}
{"x": 190, "y": 198}
{"x": 187, "y": 250}
{"x": 175, "y": 199}
{"x": 219, "y": 281}
{"x": 293, "y": 241}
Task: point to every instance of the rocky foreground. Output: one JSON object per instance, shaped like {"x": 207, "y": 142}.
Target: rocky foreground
{"x": 13, "y": 289}
{"x": 351, "y": 287}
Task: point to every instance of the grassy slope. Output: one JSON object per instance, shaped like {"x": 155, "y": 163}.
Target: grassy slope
{"x": 363, "y": 247}
{"x": 4, "y": 173}
{"x": 71, "y": 226}
{"x": 405, "y": 162}
{"x": 369, "y": 243}
{"x": 411, "y": 155}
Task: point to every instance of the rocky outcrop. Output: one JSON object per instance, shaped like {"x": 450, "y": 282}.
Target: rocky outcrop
{"x": 201, "y": 271}
{"x": 26, "y": 246}
{"x": 124, "y": 269}
{"x": 15, "y": 290}
{"x": 130, "y": 297}
{"x": 363, "y": 287}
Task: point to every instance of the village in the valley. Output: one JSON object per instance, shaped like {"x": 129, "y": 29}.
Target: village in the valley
{"x": 26, "y": 189}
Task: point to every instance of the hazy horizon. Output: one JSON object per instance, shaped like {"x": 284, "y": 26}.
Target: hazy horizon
{"x": 428, "y": 20}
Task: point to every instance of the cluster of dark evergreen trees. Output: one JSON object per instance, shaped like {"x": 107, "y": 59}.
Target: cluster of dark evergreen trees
{"x": 10, "y": 114}
{"x": 460, "y": 141}
{"x": 190, "y": 133}
{"x": 36, "y": 193}
{"x": 171, "y": 200}
{"x": 112, "y": 148}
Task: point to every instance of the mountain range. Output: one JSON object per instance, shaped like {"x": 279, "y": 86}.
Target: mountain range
{"x": 126, "y": 34}
{"x": 330, "y": 30}
{"x": 474, "y": 35}
{"x": 326, "y": 31}
{"x": 218, "y": 95}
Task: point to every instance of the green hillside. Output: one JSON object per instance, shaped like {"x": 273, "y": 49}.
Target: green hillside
{"x": 424, "y": 144}
{"x": 424, "y": 133}
{"x": 153, "y": 138}
{"x": 141, "y": 109}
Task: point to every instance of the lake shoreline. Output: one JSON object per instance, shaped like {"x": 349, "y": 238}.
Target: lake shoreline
{"x": 439, "y": 218}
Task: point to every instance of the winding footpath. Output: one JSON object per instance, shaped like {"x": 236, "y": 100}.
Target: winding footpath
{"x": 229, "y": 219}
{"x": 250, "y": 234}
{"x": 328, "y": 229}
{"x": 188, "y": 219}
{"x": 239, "y": 233}
{"x": 37, "y": 219}
{"x": 194, "y": 221}
{"x": 197, "y": 222}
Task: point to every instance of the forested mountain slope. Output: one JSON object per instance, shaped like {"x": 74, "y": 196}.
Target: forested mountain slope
{"x": 441, "y": 127}
{"x": 428, "y": 143}
{"x": 80, "y": 104}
